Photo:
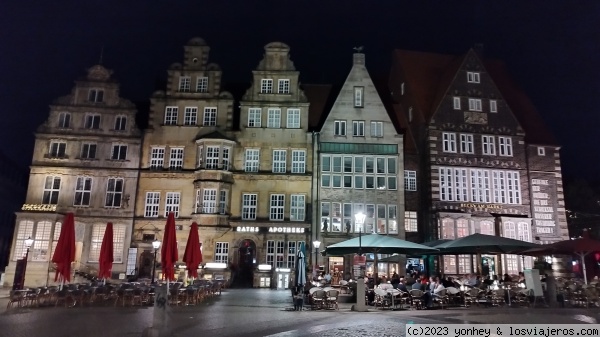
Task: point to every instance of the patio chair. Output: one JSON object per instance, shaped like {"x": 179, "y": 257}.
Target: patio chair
{"x": 63, "y": 296}
{"x": 472, "y": 295}
{"x": 441, "y": 298}
{"x": 416, "y": 298}
{"x": 331, "y": 299}
{"x": 15, "y": 297}
{"x": 382, "y": 298}
{"x": 497, "y": 297}
{"x": 318, "y": 299}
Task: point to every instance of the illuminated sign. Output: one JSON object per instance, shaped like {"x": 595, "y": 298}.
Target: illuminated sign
{"x": 482, "y": 206}
{"x": 285, "y": 230}
{"x": 246, "y": 229}
{"x": 38, "y": 207}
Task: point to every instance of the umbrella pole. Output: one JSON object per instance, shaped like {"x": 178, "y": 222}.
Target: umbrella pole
{"x": 582, "y": 255}
{"x": 104, "y": 281}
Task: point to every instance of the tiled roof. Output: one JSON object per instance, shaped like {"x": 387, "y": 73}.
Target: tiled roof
{"x": 428, "y": 76}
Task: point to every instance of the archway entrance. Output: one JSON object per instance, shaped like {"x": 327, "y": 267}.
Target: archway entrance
{"x": 244, "y": 277}
{"x": 146, "y": 262}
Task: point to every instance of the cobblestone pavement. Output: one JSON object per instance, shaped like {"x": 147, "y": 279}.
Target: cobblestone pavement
{"x": 260, "y": 312}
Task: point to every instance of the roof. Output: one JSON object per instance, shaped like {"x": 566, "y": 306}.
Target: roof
{"x": 321, "y": 98}
{"x": 381, "y": 85}
{"x": 429, "y": 75}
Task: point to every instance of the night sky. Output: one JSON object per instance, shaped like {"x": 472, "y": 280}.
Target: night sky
{"x": 552, "y": 49}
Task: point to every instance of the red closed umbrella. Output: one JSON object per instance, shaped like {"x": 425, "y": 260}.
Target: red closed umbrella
{"x": 193, "y": 256}
{"x": 106, "y": 253}
{"x": 168, "y": 252}
{"x": 64, "y": 253}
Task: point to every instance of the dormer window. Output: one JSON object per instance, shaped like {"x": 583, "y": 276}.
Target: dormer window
{"x": 96, "y": 96}
{"x": 266, "y": 86}
{"x": 472, "y": 77}
{"x": 92, "y": 122}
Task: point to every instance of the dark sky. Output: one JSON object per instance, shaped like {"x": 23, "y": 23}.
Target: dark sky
{"x": 551, "y": 47}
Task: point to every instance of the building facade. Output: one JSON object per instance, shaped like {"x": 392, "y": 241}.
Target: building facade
{"x": 85, "y": 161}
{"x": 359, "y": 169}
{"x": 273, "y": 173}
{"x": 186, "y": 162}
{"x": 482, "y": 168}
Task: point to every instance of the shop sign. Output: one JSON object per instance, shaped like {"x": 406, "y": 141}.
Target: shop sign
{"x": 482, "y": 207}
{"x": 286, "y": 230}
{"x": 246, "y": 229}
{"x": 38, "y": 208}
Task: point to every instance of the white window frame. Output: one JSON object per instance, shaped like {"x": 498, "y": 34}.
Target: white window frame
{"x": 277, "y": 207}
{"x": 118, "y": 242}
{"x": 51, "y": 191}
{"x": 120, "y": 123}
{"x": 64, "y": 120}
{"x": 273, "y": 118}
{"x": 209, "y": 201}
{"x": 377, "y": 129}
{"x": 210, "y": 116}
{"x": 505, "y": 148}
{"x": 24, "y": 231}
{"x": 410, "y": 180}
{"x": 185, "y": 83}
{"x": 223, "y": 202}
{"x": 488, "y": 145}
{"x": 171, "y": 114}
{"x": 254, "y": 117}
{"x": 249, "y": 206}
{"x": 283, "y": 86}
{"x": 475, "y": 104}
{"x": 57, "y": 149}
{"x": 411, "y": 223}
{"x": 270, "y": 254}
{"x": 176, "y": 158}
{"x": 88, "y": 150}
{"x": 202, "y": 84}
{"x": 541, "y": 151}
{"x": 190, "y": 116}
{"x": 251, "y": 160}
{"x": 279, "y": 161}
{"x": 339, "y": 128}
{"x": 358, "y": 128}
{"x": 212, "y": 157}
{"x": 298, "y": 161}
{"x": 359, "y": 97}
{"x": 114, "y": 192}
{"x": 493, "y": 105}
{"x": 172, "y": 201}
{"x": 152, "y": 204}
{"x": 222, "y": 252}
{"x": 473, "y": 77}
{"x": 96, "y": 95}
{"x": 157, "y": 157}
{"x": 297, "y": 207}
{"x": 83, "y": 191}
{"x": 41, "y": 244}
{"x": 92, "y": 121}
{"x": 467, "y": 143}
{"x": 456, "y": 103}
{"x": 119, "y": 152}
{"x": 293, "y": 119}
{"x": 266, "y": 86}
{"x": 449, "y": 142}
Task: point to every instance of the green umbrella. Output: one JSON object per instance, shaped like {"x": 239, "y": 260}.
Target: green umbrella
{"x": 377, "y": 244}
{"x": 484, "y": 244}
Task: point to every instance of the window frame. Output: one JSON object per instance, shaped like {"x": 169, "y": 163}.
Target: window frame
{"x": 151, "y": 204}
{"x": 297, "y": 207}
{"x": 410, "y": 180}
{"x": 254, "y": 117}
{"x": 92, "y": 121}
{"x": 209, "y": 117}
{"x": 376, "y": 129}
{"x": 505, "y": 148}
{"x": 283, "y": 86}
{"x": 171, "y": 115}
{"x": 83, "y": 191}
{"x": 88, "y": 150}
{"x": 251, "y": 160}
{"x": 488, "y": 145}
{"x": 172, "y": 203}
{"x": 190, "y": 116}
{"x": 202, "y": 84}
{"x": 456, "y": 103}
{"x": 273, "y": 118}
{"x": 249, "y": 206}
{"x": 277, "y": 207}
{"x": 493, "y": 105}
{"x": 298, "y": 161}
{"x": 293, "y": 118}
{"x": 266, "y": 86}
{"x": 475, "y": 104}
{"x": 279, "y": 161}
{"x": 176, "y": 158}
{"x": 467, "y": 143}
{"x": 449, "y": 142}
{"x": 473, "y": 77}
{"x": 359, "y": 97}
{"x": 339, "y": 128}
{"x": 185, "y": 83}
{"x": 114, "y": 196}
{"x": 358, "y": 128}
{"x": 157, "y": 157}
{"x": 119, "y": 152}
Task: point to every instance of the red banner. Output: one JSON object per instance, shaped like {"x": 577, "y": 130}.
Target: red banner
{"x": 360, "y": 260}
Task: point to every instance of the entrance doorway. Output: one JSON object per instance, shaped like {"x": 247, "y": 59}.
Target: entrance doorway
{"x": 244, "y": 275}
{"x": 146, "y": 262}
{"x": 488, "y": 266}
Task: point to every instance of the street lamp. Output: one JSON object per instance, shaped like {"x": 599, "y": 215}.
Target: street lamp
{"x": 155, "y": 245}
{"x": 360, "y": 220}
{"x": 316, "y": 244}
{"x": 28, "y": 244}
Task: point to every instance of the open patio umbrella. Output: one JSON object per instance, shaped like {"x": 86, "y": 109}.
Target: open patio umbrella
{"x": 105, "y": 261}
{"x": 192, "y": 255}
{"x": 483, "y": 244}
{"x": 168, "y": 252}
{"x": 64, "y": 254}
{"x": 301, "y": 266}
{"x": 377, "y": 244}
{"x": 580, "y": 247}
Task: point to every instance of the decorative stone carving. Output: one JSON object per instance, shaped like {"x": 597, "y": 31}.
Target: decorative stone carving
{"x": 473, "y": 117}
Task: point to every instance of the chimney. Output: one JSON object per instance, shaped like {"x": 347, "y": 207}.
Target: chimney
{"x": 358, "y": 58}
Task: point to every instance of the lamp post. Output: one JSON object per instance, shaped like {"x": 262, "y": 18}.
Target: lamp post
{"x": 316, "y": 244}
{"x": 28, "y": 244}
{"x": 360, "y": 220}
{"x": 155, "y": 245}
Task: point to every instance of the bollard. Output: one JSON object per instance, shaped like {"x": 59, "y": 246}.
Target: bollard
{"x": 160, "y": 318}
{"x": 360, "y": 295}
{"x": 551, "y": 288}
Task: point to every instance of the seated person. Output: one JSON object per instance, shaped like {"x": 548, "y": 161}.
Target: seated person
{"x": 471, "y": 280}
{"x": 506, "y": 278}
{"x": 402, "y": 286}
{"x": 448, "y": 282}
{"x": 416, "y": 285}
{"x": 488, "y": 281}
{"x": 436, "y": 287}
